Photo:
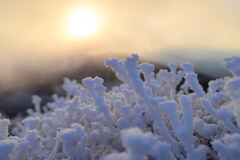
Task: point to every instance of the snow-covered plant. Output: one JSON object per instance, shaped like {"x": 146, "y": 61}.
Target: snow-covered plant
{"x": 166, "y": 116}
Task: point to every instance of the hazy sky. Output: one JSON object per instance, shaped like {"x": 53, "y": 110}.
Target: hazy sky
{"x": 32, "y": 32}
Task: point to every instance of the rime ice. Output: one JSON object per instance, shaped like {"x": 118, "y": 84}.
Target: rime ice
{"x": 138, "y": 120}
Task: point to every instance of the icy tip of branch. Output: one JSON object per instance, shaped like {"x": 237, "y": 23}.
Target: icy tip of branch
{"x": 188, "y": 67}
{"x": 146, "y": 67}
{"x": 172, "y": 66}
{"x": 92, "y": 81}
{"x": 4, "y": 123}
{"x": 233, "y": 88}
{"x": 110, "y": 62}
{"x": 36, "y": 100}
{"x": 31, "y": 122}
{"x": 133, "y": 57}
{"x": 137, "y": 141}
{"x": 232, "y": 64}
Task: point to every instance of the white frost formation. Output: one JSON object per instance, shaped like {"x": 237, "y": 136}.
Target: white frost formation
{"x": 148, "y": 119}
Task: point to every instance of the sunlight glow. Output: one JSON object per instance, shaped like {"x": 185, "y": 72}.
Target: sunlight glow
{"x": 82, "y": 22}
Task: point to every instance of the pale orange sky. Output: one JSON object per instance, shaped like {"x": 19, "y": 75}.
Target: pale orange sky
{"x": 31, "y": 31}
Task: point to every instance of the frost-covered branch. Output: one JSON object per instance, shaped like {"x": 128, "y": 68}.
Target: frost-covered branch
{"x": 164, "y": 116}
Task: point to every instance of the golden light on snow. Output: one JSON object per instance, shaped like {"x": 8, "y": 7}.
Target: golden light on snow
{"x": 83, "y": 22}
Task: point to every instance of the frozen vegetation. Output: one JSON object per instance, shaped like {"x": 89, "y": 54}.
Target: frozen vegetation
{"x": 166, "y": 116}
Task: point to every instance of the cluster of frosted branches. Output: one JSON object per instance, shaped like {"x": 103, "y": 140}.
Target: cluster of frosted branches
{"x": 148, "y": 119}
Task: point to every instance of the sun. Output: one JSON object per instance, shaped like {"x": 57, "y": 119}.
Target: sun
{"x": 83, "y": 22}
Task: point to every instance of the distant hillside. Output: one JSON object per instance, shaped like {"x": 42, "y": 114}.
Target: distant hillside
{"x": 15, "y": 102}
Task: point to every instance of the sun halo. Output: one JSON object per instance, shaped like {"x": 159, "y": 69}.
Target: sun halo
{"x": 83, "y": 22}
